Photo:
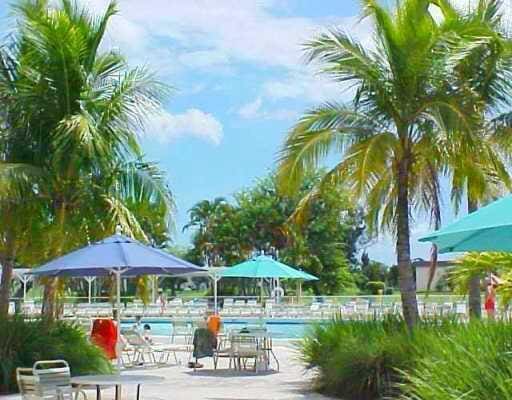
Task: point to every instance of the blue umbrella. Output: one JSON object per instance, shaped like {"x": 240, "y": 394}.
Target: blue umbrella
{"x": 118, "y": 255}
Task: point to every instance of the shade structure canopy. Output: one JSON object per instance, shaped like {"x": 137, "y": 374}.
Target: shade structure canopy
{"x": 261, "y": 267}
{"x": 488, "y": 229}
{"x": 116, "y": 253}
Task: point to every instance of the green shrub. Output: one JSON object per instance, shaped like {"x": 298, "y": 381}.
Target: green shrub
{"x": 358, "y": 359}
{"x": 374, "y": 287}
{"x": 473, "y": 362}
{"x": 24, "y": 342}
{"x": 440, "y": 359}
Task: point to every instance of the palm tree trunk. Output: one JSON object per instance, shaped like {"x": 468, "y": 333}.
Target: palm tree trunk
{"x": 403, "y": 249}
{"x": 474, "y": 295}
{"x": 7, "y": 263}
{"x": 5, "y": 285}
{"x": 49, "y": 309}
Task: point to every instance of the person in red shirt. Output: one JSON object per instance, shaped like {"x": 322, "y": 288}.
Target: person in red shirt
{"x": 490, "y": 297}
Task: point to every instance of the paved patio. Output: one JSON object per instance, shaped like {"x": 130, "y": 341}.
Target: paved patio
{"x": 182, "y": 383}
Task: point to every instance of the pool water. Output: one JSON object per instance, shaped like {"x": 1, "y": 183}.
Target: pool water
{"x": 279, "y": 329}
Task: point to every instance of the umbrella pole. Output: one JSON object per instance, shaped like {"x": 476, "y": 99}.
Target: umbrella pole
{"x": 24, "y": 289}
{"x": 118, "y": 317}
{"x": 215, "y": 307}
{"x": 89, "y": 281}
{"x": 261, "y": 291}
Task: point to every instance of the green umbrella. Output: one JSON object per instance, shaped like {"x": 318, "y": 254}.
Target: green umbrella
{"x": 265, "y": 267}
{"x": 488, "y": 229}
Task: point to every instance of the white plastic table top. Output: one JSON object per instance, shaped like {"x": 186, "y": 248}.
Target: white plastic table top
{"x": 115, "y": 379}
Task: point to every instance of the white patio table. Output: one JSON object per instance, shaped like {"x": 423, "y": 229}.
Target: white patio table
{"x": 116, "y": 380}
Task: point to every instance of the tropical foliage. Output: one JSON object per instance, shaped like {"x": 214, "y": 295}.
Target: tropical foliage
{"x": 71, "y": 113}
{"x": 23, "y": 343}
{"x": 258, "y": 220}
{"x": 412, "y": 116}
{"x": 439, "y": 359}
{"x": 482, "y": 265}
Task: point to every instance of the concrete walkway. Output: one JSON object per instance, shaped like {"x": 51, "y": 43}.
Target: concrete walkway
{"x": 182, "y": 383}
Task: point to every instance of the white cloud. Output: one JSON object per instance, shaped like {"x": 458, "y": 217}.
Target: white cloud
{"x": 253, "y": 110}
{"x": 192, "y": 123}
{"x": 203, "y": 59}
{"x": 304, "y": 85}
{"x": 220, "y": 32}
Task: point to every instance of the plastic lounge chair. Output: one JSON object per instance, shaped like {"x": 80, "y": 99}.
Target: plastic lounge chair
{"x": 315, "y": 311}
{"x": 228, "y": 302}
{"x": 461, "y": 310}
{"x": 143, "y": 351}
{"x": 48, "y": 380}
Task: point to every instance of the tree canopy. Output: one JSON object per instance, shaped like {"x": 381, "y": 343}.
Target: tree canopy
{"x": 259, "y": 219}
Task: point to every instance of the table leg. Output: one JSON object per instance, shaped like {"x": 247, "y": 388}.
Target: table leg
{"x": 118, "y": 392}
{"x": 138, "y": 391}
{"x": 98, "y": 392}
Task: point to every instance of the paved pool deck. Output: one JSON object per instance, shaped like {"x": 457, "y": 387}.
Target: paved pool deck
{"x": 182, "y": 383}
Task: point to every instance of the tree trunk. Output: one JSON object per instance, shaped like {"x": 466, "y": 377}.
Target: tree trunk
{"x": 49, "y": 309}
{"x": 403, "y": 249}
{"x": 5, "y": 286}
{"x": 474, "y": 295}
{"x": 7, "y": 263}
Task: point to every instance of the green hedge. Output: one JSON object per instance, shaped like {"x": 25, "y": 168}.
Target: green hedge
{"x": 24, "y": 342}
{"x": 439, "y": 360}
{"x": 374, "y": 287}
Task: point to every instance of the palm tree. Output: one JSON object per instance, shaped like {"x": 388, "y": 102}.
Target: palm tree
{"x": 205, "y": 216}
{"x": 477, "y": 159}
{"x": 387, "y": 135}
{"x": 73, "y": 112}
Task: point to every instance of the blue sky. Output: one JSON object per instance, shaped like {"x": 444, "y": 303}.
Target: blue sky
{"x": 239, "y": 84}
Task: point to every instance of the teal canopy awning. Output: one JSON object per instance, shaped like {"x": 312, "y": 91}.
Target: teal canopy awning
{"x": 488, "y": 229}
{"x": 265, "y": 267}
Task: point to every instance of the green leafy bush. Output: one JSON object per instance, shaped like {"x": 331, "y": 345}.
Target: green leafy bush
{"x": 24, "y": 342}
{"x": 440, "y": 359}
{"x": 359, "y": 359}
{"x": 473, "y": 362}
{"x": 375, "y": 286}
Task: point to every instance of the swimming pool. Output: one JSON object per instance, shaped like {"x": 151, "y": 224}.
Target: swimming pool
{"x": 279, "y": 329}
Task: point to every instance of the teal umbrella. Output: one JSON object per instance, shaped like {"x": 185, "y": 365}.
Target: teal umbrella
{"x": 265, "y": 267}
{"x": 488, "y": 229}
{"x": 262, "y": 267}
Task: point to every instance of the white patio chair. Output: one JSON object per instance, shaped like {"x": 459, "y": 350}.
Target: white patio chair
{"x": 29, "y": 307}
{"x": 461, "y": 311}
{"x": 447, "y": 309}
{"x": 245, "y": 347}
{"x": 47, "y": 380}
{"x": 349, "y": 309}
{"x": 143, "y": 351}
{"x": 181, "y": 329}
{"x": 362, "y": 308}
{"x": 228, "y": 302}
